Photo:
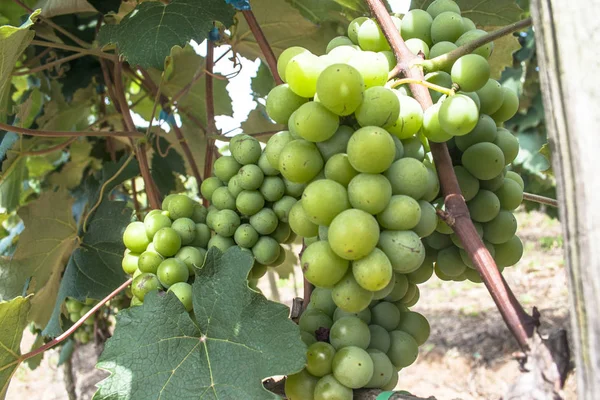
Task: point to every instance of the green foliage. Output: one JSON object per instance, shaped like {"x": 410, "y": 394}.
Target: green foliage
{"x": 164, "y": 168}
{"x": 237, "y": 339}
{"x": 13, "y": 315}
{"x": 483, "y": 13}
{"x": 318, "y": 11}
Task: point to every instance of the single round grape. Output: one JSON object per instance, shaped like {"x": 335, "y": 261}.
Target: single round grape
{"x": 234, "y": 187}
{"x": 438, "y": 241}
{"x": 258, "y": 271}
{"x": 391, "y": 59}
{"x": 473, "y": 96}
{"x": 244, "y": 148}
{"x": 335, "y": 144}
{"x": 447, "y": 26}
{"x": 371, "y": 150}
{"x": 282, "y": 232}
{"x": 469, "y": 24}
{"x": 300, "y": 161}
{"x": 427, "y": 221}
{"x": 283, "y": 206}
{"x": 226, "y": 222}
{"x": 353, "y": 234}
{"x": 373, "y": 67}
{"x": 209, "y": 185}
{"x": 183, "y": 291}
{"x": 402, "y": 213}
{"x": 382, "y": 369}
{"x": 202, "y": 236}
{"x": 510, "y": 194}
{"x": 484, "y": 206}
{"x": 470, "y": 72}
{"x": 352, "y": 367}
{"x": 130, "y": 262}
{"x": 272, "y": 188}
{"x": 220, "y": 242}
{"x": 386, "y": 315}
{"x": 171, "y": 271}
{"x": 350, "y": 296}
{"x": 266, "y": 167}
{"x": 370, "y": 37}
{"x": 302, "y": 72}
{"x": 417, "y": 24}
{"x": 432, "y": 129}
{"x": 192, "y": 257}
{"x": 413, "y": 148}
{"x": 199, "y": 215}
{"x": 165, "y": 203}
{"x": 329, "y": 388}
{"x": 266, "y": 250}
{"x": 469, "y": 185}
{"x": 312, "y": 320}
{"x": 323, "y": 200}
{"x": 251, "y": 177}
{"x": 222, "y": 199}
{"x": 458, "y": 115}
{"x": 403, "y": 349}
{"x": 483, "y": 160}
{"x": 409, "y": 120}
{"x": 440, "y": 6}
{"x": 143, "y": 284}
{"x": 424, "y": 272}
{"x": 433, "y": 185}
{"x": 491, "y": 96}
{"x": 353, "y": 28}
{"x": 508, "y": 253}
{"x": 494, "y": 183}
{"x": 416, "y": 325}
{"x": 509, "y": 107}
{"x": 135, "y": 238}
{"x": 404, "y": 250}
{"x": 410, "y": 302}
{"x": 517, "y": 178}
{"x": 484, "y": 131}
{"x": 441, "y": 48}
{"x": 149, "y": 261}
{"x": 314, "y": 122}
{"x": 340, "y": 88}
{"x": 399, "y": 289}
{"x": 300, "y": 222}
{"x": 380, "y": 338}
{"x": 369, "y": 192}
{"x": 249, "y": 202}
{"x": 339, "y": 169}
{"x": 167, "y": 242}
{"x": 275, "y": 145}
{"x": 321, "y": 266}
{"x": 364, "y": 315}
{"x": 349, "y": 331}
{"x": 319, "y": 358}
{"x": 408, "y": 177}
{"x": 308, "y": 338}
{"x": 73, "y": 306}
{"x": 471, "y": 35}
{"x": 373, "y": 272}
{"x": 154, "y": 222}
{"x": 265, "y": 221}
{"x": 508, "y": 143}
{"x": 225, "y": 168}
{"x": 337, "y": 42}
{"x": 418, "y": 46}
{"x": 300, "y": 386}
{"x": 186, "y": 228}
{"x": 450, "y": 262}
{"x": 473, "y": 276}
{"x": 380, "y": 107}
{"x": 321, "y": 299}
{"x": 281, "y": 103}
{"x": 286, "y": 56}
{"x": 500, "y": 229}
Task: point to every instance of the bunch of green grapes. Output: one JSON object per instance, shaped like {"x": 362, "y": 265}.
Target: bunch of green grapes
{"x": 76, "y": 310}
{"x": 348, "y": 351}
{"x": 164, "y": 250}
{"x": 250, "y": 203}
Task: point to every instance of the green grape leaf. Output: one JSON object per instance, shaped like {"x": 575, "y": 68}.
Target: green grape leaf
{"x": 52, "y": 8}
{"x": 94, "y": 269}
{"x": 146, "y": 35}
{"x": 14, "y": 172}
{"x": 258, "y": 121}
{"x": 318, "y": 11}
{"x": 239, "y": 338}
{"x": 502, "y": 56}
{"x": 285, "y": 269}
{"x": 8, "y": 140}
{"x": 263, "y": 81}
{"x": 30, "y": 108}
{"x": 163, "y": 169}
{"x": 42, "y": 251}
{"x": 530, "y": 143}
{"x": 34, "y": 362}
{"x": 13, "y": 42}
{"x": 66, "y": 351}
{"x": 71, "y": 174}
{"x": 60, "y": 115}
{"x": 483, "y": 12}
{"x": 12, "y": 13}
{"x": 181, "y": 67}
{"x": 13, "y": 320}
{"x": 284, "y": 26}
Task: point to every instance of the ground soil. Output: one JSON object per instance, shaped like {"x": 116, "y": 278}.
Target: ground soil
{"x": 470, "y": 354}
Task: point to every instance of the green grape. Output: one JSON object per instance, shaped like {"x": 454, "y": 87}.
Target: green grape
{"x": 380, "y": 338}
{"x": 349, "y": 331}
{"x": 275, "y": 145}
{"x": 222, "y": 199}
{"x": 370, "y": 37}
{"x": 416, "y": 325}
{"x": 282, "y": 232}
{"x": 199, "y": 215}
{"x": 323, "y": 200}
{"x": 234, "y": 187}
{"x": 380, "y": 294}
{"x": 340, "y": 55}
{"x": 167, "y": 242}
{"x": 491, "y": 96}
{"x": 286, "y": 56}
{"x": 483, "y": 160}
{"x": 404, "y": 249}
{"x": 427, "y": 221}
{"x": 458, "y": 115}
{"x": 294, "y": 189}
{"x": 300, "y": 386}
{"x": 433, "y": 185}
{"x": 371, "y": 149}
{"x": 450, "y": 262}
{"x": 414, "y": 299}
{"x": 408, "y": 177}
{"x": 300, "y": 222}
{"x": 335, "y": 144}
{"x": 300, "y": 161}
{"x": 399, "y": 148}
{"x": 282, "y": 102}
{"x": 258, "y": 271}
{"x": 484, "y": 131}
{"x": 353, "y": 234}
{"x": 142, "y": 285}
{"x": 225, "y": 167}
{"x": 400, "y": 288}
{"x": 470, "y": 72}
{"x": 265, "y": 221}
{"x": 373, "y": 272}
{"x": 364, "y": 315}
{"x": 413, "y": 148}
{"x": 484, "y": 206}
{"x": 226, "y": 222}
{"x": 209, "y": 185}
{"x": 73, "y": 306}
{"x": 369, "y": 192}
{"x": 283, "y": 206}
{"x": 183, "y": 291}
{"x": 321, "y": 299}
{"x": 272, "y": 188}
{"x": 192, "y": 257}
{"x": 432, "y": 129}
{"x": 312, "y": 319}
{"x": 509, "y": 107}
{"x": 171, "y": 271}
{"x": 186, "y": 228}
{"x": 403, "y": 349}
{"x": 441, "y": 48}
{"x": 417, "y": 24}
{"x": 424, "y": 272}
{"x": 508, "y": 253}
{"x": 321, "y": 266}
{"x": 517, "y": 178}
{"x": 308, "y": 338}
{"x": 130, "y": 262}
{"x": 438, "y": 241}
{"x": 500, "y": 229}
{"x": 250, "y": 177}
{"x": 266, "y": 250}
{"x": 373, "y": 67}
{"x": 266, "y": 167}
{"x": 439, "y": 78}
{"x": 301, "y": 74}
{"x": 74, "y": 317}
{"x": 352, "y": 367}
{"x": 280, "y": 258}
{"x": 350, "y": 296}
{"x": 244, "y": 148}
{"x": 473, "y": 96}
{"x": 402, "y": 213}
{"x": 249, "y": 202}
{"x": 418, "y": 46}
{"x": 135, "y": 238}
{"x": 165, "y": 203}
{"x": 440, "y": 6}
{"x": 494, "y": 183}
{"x": 389, "y": 56}
{"x": 319, "y": 358}
{"x": 410, "y": 118}
{"x": 149, "y": 261}
{"x": 202, "y": 236}
{"x": 340, "y": 88}
{"x": 386, "y": 315}
{"x": 220, "y": 242}
{"x": 509, "y": 145}
{"x": 329, "y": 388}
{"x": 469, "y": 24}
{"x": 339, "y": 169}
{"x": 382, "y": 369}
{"x": 447, "y": 27}
{"x": 314, "y": 122}
{"x": 471, "y": 35}
{"x": 353, "y": 28}
{"x": 154, "y": 222}
{"x": 510, "y": 194}
{"x": 380, "y": 107}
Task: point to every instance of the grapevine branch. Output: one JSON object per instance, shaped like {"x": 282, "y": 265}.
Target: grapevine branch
{"x": 49, "y": 65}
{"x": 211, "y": 128}
{"x": 261, "y": 39}
{"x": 90, "y": 52}
{"x": 518, "y": 321}
{"x": 35, "y": 132}
{"x": 540, "y": 199}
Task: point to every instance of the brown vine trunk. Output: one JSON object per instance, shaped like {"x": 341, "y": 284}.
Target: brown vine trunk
{"x": 567, "y": 54}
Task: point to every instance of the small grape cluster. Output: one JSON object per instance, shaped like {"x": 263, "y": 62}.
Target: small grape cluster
{"x": 76, "y": 311}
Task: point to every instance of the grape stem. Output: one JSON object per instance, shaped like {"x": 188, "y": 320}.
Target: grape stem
{"x": 540, "y": 199}
{"x": 211, "y": 129}
{"x": 49, "y": 65}
{"x": 446, "y": 60}
{"x": 423, "y": 82}
{"x": 36, "y": 132}
{"x": 76, "y": 325}
{"x": 265, "y": 48}
{"x": 89, "y": 52}
{"x": 518, "y": 321}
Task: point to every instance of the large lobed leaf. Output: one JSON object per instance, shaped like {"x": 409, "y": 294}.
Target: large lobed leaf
{"x": 483, "y": 12}
{"x": 164, "y": 169}
{"x": 13, "y": 320}
{"x": 239, "y": 338}
{"x": 146, "y": 35}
